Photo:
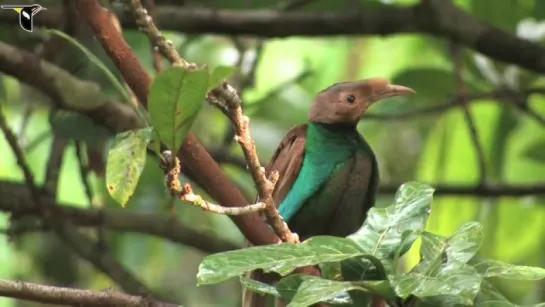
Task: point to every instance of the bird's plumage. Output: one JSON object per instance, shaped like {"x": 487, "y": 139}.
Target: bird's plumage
{"x": 328, "y": 174}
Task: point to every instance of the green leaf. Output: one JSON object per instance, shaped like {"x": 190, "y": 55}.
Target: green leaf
{"x": 382, "y": 234}
{"x": 314, "y": 289}
{"x": 155, "y": 142}
{"x": 494, "y": 268}
{"x": 74, "y": 126}
{"x": 219, "y": 74}
{"x": 259, "y": 287}
{"x": 126, "y": 160}
{"x": 331, "y": 270}
{"x": 460, "y": 247}
{"x": 459, "y": 281}
{"x": 280, "y": 258}
{"x": 288, "y": 287}
{"x": 490, "y": 296}
{"x": 175, "y": 99}
{"x": 536, "y": 151}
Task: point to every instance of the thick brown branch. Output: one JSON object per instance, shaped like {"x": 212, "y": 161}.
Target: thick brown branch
{"x": 73, "y": 297}
{"x": 435, "y": 17}
{"x": 16, "y": 199}
{"x": 207, "y": 171}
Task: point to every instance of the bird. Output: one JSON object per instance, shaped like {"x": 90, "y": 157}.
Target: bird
{"x": 327, "y": 172}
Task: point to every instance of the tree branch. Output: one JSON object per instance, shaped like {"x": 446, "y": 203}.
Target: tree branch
{"x": 438, "y": 18}
{"x": 486, "y": 190}
{"x": 73, "y": 297}
{"x": 207, "y": 171}
{"x": 16, "y": 200}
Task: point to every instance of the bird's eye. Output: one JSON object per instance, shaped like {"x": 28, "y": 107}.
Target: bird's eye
{"x": 350, "y": 99}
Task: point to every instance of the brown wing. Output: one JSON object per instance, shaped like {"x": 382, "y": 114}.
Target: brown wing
{"x": 287, "y": 160}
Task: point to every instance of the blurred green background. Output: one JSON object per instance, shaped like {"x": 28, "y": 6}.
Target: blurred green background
{"x": 436, "y": 147}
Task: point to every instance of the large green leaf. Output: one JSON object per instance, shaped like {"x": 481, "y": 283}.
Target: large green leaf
{"x": 460, "y": 247}
{"x": 175, "y": 98}
{"x": 443, "y": 274}
{"x": 494, "y": 268}
{"x": 458, "y": 282}
{"x": 312, "y": 289}
{"x": 490, "y": 296}
{"x": 74, "y": 126}
{"x": 280, "y": 258}
{"x": 382, "y": 234}
{"x": 126, "y": 161}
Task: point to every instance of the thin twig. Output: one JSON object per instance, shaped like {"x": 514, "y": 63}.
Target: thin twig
{"x": 53, "y": 168}
{"x": 21, "y": 161}
{"x": 157, "y": 58}
{"x": 185, "y": 193}
{"x": 84, "y": 171}
{"x": 462, "y": 91}
{"x": 502, "y": 95}
{"x": 225, "y": 97}
{"x": 284, "y": 85}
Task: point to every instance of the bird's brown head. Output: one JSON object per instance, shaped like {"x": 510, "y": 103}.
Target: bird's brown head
{"x": 345, "y": 103}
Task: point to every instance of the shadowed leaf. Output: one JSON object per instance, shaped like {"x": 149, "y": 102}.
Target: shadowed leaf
{"x": 536, "y": 151}
{"x": 74, "y": 126}
{"x": 304, "y": 290}
{"x": 126, "y": 160}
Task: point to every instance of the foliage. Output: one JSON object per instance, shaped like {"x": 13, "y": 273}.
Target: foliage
{"x": 435, "y": 149}
{"x": 126, "y": 161}
{"x": 445, "y": 276}
{"x": 175, "y": 100}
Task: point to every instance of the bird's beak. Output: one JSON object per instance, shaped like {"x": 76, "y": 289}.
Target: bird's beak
{"x": 392, "y": 90}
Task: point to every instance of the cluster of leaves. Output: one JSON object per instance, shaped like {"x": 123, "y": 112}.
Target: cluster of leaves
{"x": 176, "y": 97}
{"x": 365, "y": 264}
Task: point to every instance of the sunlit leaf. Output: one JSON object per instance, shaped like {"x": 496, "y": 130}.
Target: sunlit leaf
{"x": 382, "y": 233}
{"x": 280, "y": 258}
{"x": 126, "y": 160}
{"x": 304, "y": 290}
{"x": 175, "y": 98}
{"x": 74, "y": 126}
{"x": 490, "y": 296}
{"x": 219, "y": 74}
{"x": 460, "y": 247}
{"x": 493, "y": 268}
{"x": 460, "y": 282}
